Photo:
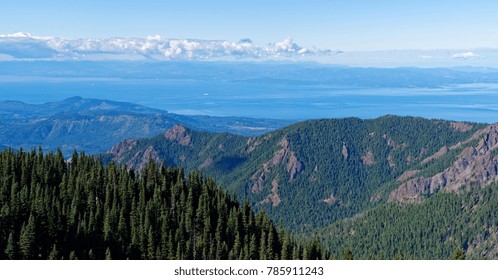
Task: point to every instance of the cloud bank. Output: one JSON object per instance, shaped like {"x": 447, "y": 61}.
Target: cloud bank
{"x": 27, "y": 46}
{"x": 466, "y": 55}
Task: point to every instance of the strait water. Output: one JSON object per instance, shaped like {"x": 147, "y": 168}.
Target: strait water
{"x": 476, "y": 102}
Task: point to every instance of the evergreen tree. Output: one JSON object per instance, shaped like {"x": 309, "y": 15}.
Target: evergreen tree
{"x": 11, "y": 251}
{"x": 27, "y": 241}
{"x": 347, "y": 254}
{"x": 458, "y": 254}
{"x": 108, "y": 255}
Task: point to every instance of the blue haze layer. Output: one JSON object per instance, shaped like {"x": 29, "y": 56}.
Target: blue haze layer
{"x": 285, "y": 91}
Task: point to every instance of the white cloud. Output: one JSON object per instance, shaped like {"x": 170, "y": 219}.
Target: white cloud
{"x": 151, "y": 47}
{"x": 465, "y": 55}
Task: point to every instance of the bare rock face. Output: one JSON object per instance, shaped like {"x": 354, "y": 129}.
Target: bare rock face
{"x": 392, "y": 144}
{"x": 252, "y": 144}
{"x": 140, "y": 160}
{"x": 407, "y": 174}
{"x": 120, "y": 149}
{"x": 329, "y": 200}
{"x": 345, "y": 152}
{"x": 461, "y": 126}
{"x": 474, "y": 166}
{"x": 273, "y": 198}
{"x": 294, "y": 166}
{"x": 391, "y": 163}
{"x": 258, "y": 182}
{"x": 443, "y": 151}
{"x": 208, "y": 162}
{"x": 284, "y": 156}
{"x": 178, "y": 134}
{"x": 368, "y": 158}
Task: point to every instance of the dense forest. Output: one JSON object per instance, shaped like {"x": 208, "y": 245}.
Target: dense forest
{"x": 327, "y": 170}
{"x": 83, "y": 209}
{"x": 438, "y": 228}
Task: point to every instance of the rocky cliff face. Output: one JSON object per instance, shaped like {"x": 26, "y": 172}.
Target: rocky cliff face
{"x": 178, "y": 134}
{"x": 283, "y": 156}
{"x": 474, "y": 166}
{"x": 119, "y": 150}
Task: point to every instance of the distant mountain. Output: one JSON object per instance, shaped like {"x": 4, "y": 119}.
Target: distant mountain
{"x": 279, "y": 72}
{"x": 93, "y": 125}
{"x": 314, "y": 172}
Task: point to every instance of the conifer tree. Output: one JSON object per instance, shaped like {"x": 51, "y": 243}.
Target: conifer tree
{"x": 27, "y": 241}
{"x": 11, "y": 251}
{"x": 458, "y": 254}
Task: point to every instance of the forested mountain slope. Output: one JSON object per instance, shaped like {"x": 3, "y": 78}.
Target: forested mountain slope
{"x": 432, "y": 229}
{"x": 51, "y": 209}
{"x": 315, "y": 172}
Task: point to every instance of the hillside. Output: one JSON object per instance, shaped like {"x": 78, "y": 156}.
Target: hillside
{"x": 431, "y": 229}
{"x": 93, "y": 125}
{"x": 51, "y": 209}
{"x": 313, "y": 173}
{"x": 452, "y": 205}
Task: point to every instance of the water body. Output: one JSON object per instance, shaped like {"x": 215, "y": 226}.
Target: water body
{"x": 476, "y": 102}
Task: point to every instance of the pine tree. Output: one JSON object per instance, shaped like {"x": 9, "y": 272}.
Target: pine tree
{"x": 72, "y": 256}
{"x": 27, "y": 241}
{"x": 347, "y": 254}
{"x": 286, "y": 253}
{"x": 458, "y": 254}
{"x": 108, "y": 255}
{"x": 54, "y": 254}
{"x": 11, "y": 251}
{"x": 151, "y": 245}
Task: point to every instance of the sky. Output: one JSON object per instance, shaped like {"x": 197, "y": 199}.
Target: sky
{"x": 355, "y": 25}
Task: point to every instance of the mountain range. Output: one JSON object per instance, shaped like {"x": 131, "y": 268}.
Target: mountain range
{"x": 421, "y": 187}
{"x": 343, "y": 175}
{"x": 93, "y": 125}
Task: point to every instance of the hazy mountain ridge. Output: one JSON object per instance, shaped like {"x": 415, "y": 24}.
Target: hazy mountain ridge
{"x": 92, "y": 125}
{"x": 283, "y": 72}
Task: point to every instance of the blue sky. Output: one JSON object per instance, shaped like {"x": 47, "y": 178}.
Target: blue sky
{"x": 346, "y": 25}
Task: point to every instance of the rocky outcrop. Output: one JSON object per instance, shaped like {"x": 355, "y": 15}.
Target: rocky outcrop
{"x": 178, "y": 134}
{"x": 345, "y": 152}
{"x": 391, "y": 162}
{"x": 407, "y": 175}
{"x": 474, "y": 166}
{"x": 461, "y": 126}
{"x": 443, "y": 151}
{"x": 208, "y": 162}
{"x": 252, "y": 144}
{"x": 368, "y": 158}
{"x": 392, "y": 144}
{"x": 293, "y": 166}
{"x": 283, "y": 156}
{"x": 140, "y": 159}
{"x": 329, "y": 200}
{"x": 259, "y": 181}
{"x": 119, "y": 150}
{"x": 274, "y": 198}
